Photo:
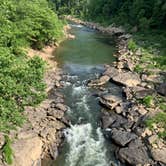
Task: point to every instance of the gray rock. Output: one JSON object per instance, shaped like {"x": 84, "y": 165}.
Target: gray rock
{"x": 107, "y": 121}
{"x": 162, "y": 89}
{"x": 101, "y": 81}
{"x": 111, "y": 71}
{"x": 140, "y": 92}
{"x": 119, "y": 122}
{"x": 159, "y": 154}
{"x": 122, "y": 137}
{"x": 127, "y": 79}
{"x": 136, "y": 153}
{"x": 110, "y": 101}
{"x": 58, "y": 114}
{"x": 61, "y": 106}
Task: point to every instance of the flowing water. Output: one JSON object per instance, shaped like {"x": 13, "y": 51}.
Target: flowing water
{"x": 82, "y": 59}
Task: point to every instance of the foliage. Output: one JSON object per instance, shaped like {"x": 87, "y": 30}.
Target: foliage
{"x": 23, "y": 23}
{"x": 160, "y": 120}
{"x": 7, "y": 151}
{"x": 70, "y": 7}
{"x": 148, "y": 101}
{"x": 144, "y": 14}
{"x": 138, "y": 69}
{"x": 28, "y": 22}
{"x": 132, "y": 45}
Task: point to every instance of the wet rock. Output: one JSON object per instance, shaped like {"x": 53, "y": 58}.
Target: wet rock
{"x": 101, "y": 81}
{"x": 161, "y": 89}
{"x": 127, "y": 79}
{"x": 111, "y": 71}
{"x": 107, "y": 121}
{"x": 120, "y": 121}
{"x": 159, "y": 154}
{"x": 122, "y": 137}
{"x": 110, "y": 101}
{"x": 136, "y": 153}
{"x": 61, "y": 106}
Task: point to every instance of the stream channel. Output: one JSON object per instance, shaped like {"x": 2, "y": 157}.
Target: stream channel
{"x": 83, "y": 59}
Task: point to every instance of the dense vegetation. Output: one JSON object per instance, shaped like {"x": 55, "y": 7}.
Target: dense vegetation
{"x": 141, "y": 13}
{"x": 23, "y": 23}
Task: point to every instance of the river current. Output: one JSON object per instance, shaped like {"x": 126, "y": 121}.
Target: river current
{"x": 82, "y": 59}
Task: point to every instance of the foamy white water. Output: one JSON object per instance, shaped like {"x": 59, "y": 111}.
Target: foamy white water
{"x": 84, "y": 150}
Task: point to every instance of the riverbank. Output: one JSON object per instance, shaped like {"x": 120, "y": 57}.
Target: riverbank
{"x": 41, "y": 134}
{"x": 136, "y": 121}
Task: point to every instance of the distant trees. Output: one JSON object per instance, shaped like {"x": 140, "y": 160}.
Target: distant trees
{"x": 141, "y": 13}
{"x": 72, "y": 7}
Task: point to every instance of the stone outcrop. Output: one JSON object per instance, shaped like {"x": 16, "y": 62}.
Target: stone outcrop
{"x": 122, "y": 137}
{"x": 136, "y": 153}
{"x": 127, "y": 79}
{"x": 110, "y": 101}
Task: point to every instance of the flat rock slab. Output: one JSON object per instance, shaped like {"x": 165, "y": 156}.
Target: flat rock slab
{"x": 136, "y": 153}
{"x": 26, "y": 151}
{"x": 110, "y": 101}
{"x": 111, "y": 71}
{"x": 101, "y": 81}
{"x": 122, "y": 137}
{"x": 127, "y": 79}
{"x": 159, "y": 154}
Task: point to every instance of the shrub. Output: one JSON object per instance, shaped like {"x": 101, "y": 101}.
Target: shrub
{"x": 132, "y": 45}
{"x": 7, "y": 151}
{"x": 23, "y": 23}
{"x": 148, "y": 101}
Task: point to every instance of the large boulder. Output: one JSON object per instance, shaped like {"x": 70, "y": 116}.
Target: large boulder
{"x": 159, "y": 154}
{"x": 127, "y": 79}
{"x": 107, "y": 121}
{"x": 140, "y": 92}
{"x": 122, "y": 137}
{"x": 136, "y": 153}
{"x": 161, "y": 89}
{"x": 27, "y": 151}
{"x": 101, "y": 81}
{"x": 110, "y": 101}
{"x": 110, "y": 71}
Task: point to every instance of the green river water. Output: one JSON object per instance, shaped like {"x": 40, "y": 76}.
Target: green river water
{"x": 82, "y": 59}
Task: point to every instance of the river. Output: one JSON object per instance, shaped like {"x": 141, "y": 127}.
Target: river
{"x": 81, "y": 59}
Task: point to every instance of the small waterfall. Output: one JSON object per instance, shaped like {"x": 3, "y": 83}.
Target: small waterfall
{"x": 84, "y": 149}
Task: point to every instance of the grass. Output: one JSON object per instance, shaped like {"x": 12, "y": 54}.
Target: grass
{"x": 148, "y": 101}
{"x": 160, "y": 120}
{"x": 7, "y": 151}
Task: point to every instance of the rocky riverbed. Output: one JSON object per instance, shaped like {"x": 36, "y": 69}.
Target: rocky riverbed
{"x": 123, "y": 119}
